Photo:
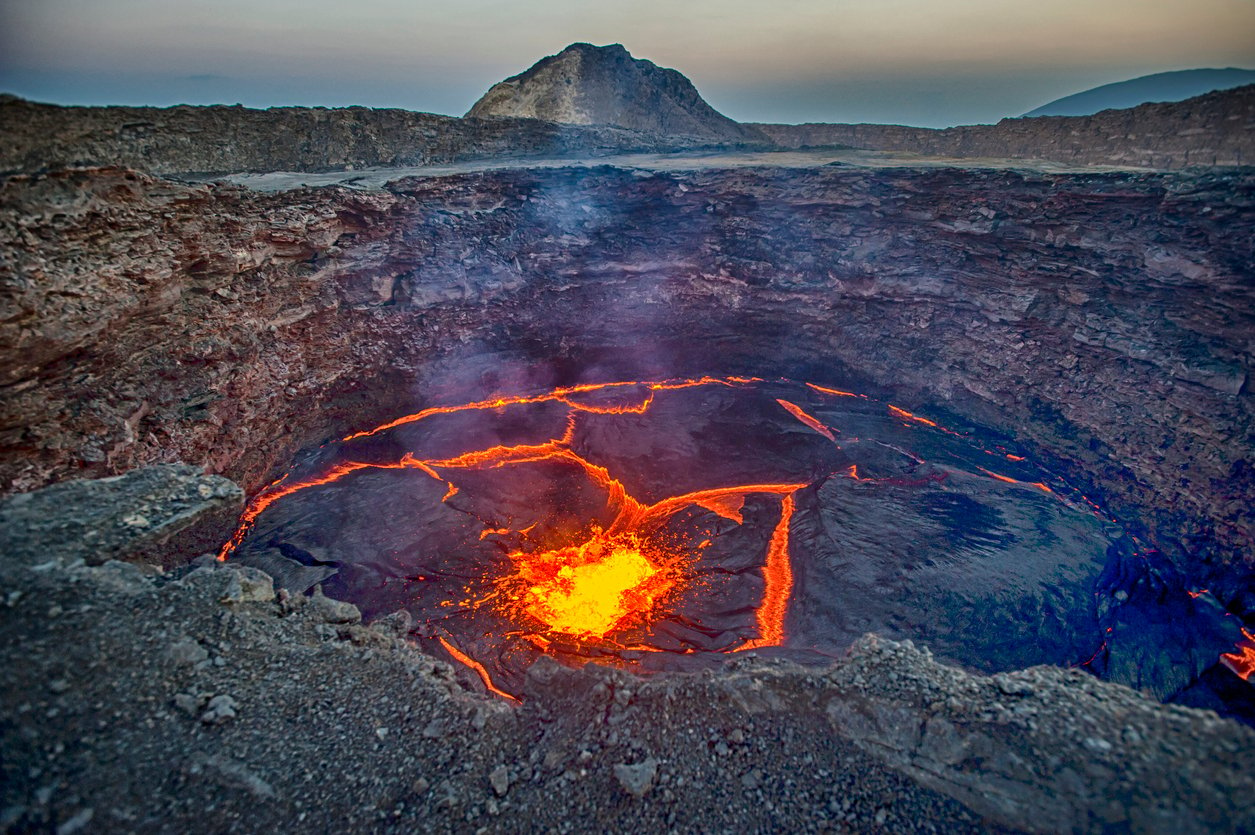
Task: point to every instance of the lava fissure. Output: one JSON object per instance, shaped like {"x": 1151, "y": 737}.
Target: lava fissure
{"x": 1242, "y": 662}
{"x": 808, "y": 419}
{"x": 779, "y": 576}
{"x": 479, "y": 669}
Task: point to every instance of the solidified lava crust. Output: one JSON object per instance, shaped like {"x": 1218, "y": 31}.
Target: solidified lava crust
{"x": 661, "y": 525}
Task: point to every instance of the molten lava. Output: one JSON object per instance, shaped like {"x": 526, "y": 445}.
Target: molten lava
{"x": 779, "y": 576}
{"x": 1040, "y": 485}
{"x": 836, "y": 392}
{"x": 479, "y": 669}
{"x": 808, "y": 419}
{"x": 1242, "y": 662}
{"x": 600, "y": 582}
{"x": 586, "y": 590}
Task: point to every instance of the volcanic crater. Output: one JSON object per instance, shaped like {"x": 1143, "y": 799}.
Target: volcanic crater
{"x": 1085, "y": 409}
{"x": 684, "y": 418}
{"x": 657, "y": 525}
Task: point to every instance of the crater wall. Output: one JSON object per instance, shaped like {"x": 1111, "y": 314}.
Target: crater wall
{"x": 1104, "y": 320}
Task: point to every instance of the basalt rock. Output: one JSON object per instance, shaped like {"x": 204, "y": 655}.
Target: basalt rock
{"x": 647, "y": 110}
{"x": 221, "y": 139}
{"x": 136, "y": 516}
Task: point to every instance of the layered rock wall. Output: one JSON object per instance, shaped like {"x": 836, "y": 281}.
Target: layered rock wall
{"x": 219, "y": 139}
{"x": 1106, "y": 320}
{"x": 1214, "y": 129}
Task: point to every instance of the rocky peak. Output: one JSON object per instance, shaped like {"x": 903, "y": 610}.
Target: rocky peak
{"x": 604, "y": 85}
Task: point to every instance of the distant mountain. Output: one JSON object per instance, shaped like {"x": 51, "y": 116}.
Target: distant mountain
{"x": 1160, "y": 87}
{"x": 604, "y": 85}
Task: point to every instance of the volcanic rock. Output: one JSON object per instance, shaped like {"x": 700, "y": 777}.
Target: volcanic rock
{"x": 604, "y": 85}
{"x": 1212, "y": 129}
{"x": 499, "y": 779}
{"x": 963, "y": 288}
{"x": 129, "y": 517}
{"x": 1209, "y": 130}
{"x": 327, "y": 610}
{"x": 220, "y": 709}
{"x": 187, "y": 652}
{"x": 236, "y": 138}
{"x": 637, "y": 778}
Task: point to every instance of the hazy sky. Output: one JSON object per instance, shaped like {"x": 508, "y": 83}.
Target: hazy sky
{"x": 922, "y": 62}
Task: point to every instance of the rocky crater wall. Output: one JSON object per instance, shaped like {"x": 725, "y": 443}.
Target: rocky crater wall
{"x": 1104, "y": 320}
{"x": 1213, "y": 129}
{"x": 1217, "y": 129}
{"x": 221, "y": 139}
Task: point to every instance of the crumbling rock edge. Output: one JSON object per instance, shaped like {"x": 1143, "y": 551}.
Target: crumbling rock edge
{"x": 198, "y": 699}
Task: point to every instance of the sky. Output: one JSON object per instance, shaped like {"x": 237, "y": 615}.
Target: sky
{"x": 932, "y": 63}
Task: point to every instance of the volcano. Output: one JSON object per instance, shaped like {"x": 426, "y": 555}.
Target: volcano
{"x": 542, "y": 475}
{"x": 604, "y": 85}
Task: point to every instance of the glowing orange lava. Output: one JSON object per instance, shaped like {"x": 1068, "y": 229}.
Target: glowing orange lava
{"x": 779, "y": 576}
{"x": 563, "y": 395}
{"x": 477, "y": 667}
{"x": 905, "y": 415}
{"x": 1242, "y": 662}
{"x": 281, "y": 487}
{"x": 807, "y": 419}
{"x": 837, "y": 392}
{"x": 617, "y": 577}
{"x": 586, "y": 590}
{"x": 1040, "y": 485}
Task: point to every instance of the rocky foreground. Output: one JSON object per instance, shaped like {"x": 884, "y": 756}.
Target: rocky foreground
{"x": 198, "y": 700}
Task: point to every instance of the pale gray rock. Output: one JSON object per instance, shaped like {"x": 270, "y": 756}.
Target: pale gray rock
{"x": 604, "y": 85}
{"x": 323, "y": 609}
{"x": 117, "y": 518}
{"x": 187, "y": 653}
{"x": 220, "y": 708}
{"x": 499, "y": 779}
{"x": 637, "y": 778}
{"x": 248, "y": 585}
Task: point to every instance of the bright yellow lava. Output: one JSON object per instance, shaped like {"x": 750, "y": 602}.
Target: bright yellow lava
{"x": 586, "y": 590}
